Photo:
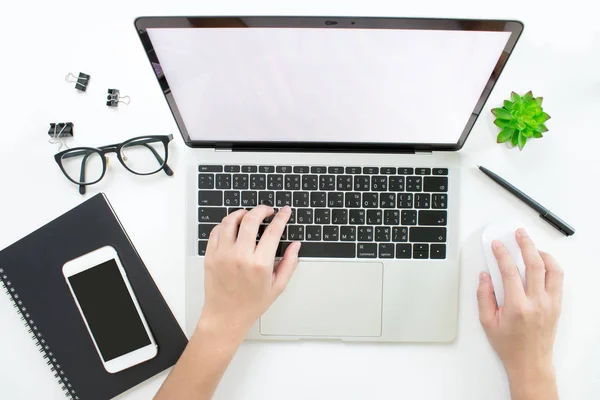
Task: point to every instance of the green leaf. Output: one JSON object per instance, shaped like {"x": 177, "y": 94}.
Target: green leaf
{"x": 501, "y": 123}
{"x": 541, "y": 128}
{"x": 521, "y": 125}
{"x": 537, "y": 135}
{"x": 501, "y": 113}
{"x": 515, "y": 138}
{"x": 521, "y": 140}
{"x": 505, "y": 135}
{"x": 528, "y": 96}
{"x": 540, "y": 119}
{"x": 508, "y": 104}
{"x": 528, "y": 132}
{"x": 547, "y": 116}
{"x": 515, "y": 97}
{"x": 539, "y": 100}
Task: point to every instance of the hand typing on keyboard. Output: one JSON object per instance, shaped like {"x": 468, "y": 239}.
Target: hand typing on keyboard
{"x": 522, "y": 332}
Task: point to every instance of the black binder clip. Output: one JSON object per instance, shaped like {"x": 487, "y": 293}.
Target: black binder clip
{"x": 114, "y": 98}
{"x": 80, "y": 82}
{"x": 60, "y": 130}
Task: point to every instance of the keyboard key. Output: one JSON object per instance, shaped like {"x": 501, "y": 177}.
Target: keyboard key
{"x": 339, "y": 217}
{"x": 240, "y": 181}
{"x": 420, "y": 251}
{"x": 357, "y": 217}
{"x": 327, "y": 182}
{"x": 249, "y": 198}
{"x": 301, "y": 199}
{"x": 353, "y": 170}
{"x": 267, "y": 169}
{"x": 420, "y": 234}
{"x": 231, "y": 210}
{"x": 348, "y": 233}
{"x": 413, "y": 183}
{"x": 408, "y": 217}
{"x": 379, "y": 183}
{"x": 331, "y": 233}
{"x": 440, "y": 171}
{"x": 387, "y": 200}
{"x": 202, "y": 244}
{"x": 371, "y": 170}
{"x": 388, "y": 170}
{"x": 284, "y": 234}
{"x": 304, "y": 216}
{"x": 370, "y": 200}
{"x": 231, "y": 198}
{"x": 301, "y": 169}
{"x": 322, "y": 216}
{"x": 335, "y": 170}
{"x": 391, "y": 217}
{"x": 423, "y": 171}
{"x": 318, "y": 170}
{"x": 232, "y": 168}
{"x": 438, "y": 201}
{"x": 365, "y": 233}
{"x": 362, "y": 183}
{"x": 367, "y": 250}
{"x": 405, "y": 200}
{"x": 261, "y": 230}
{"x": 313, "y": 233}
{"x": 295, "y": 232}
{"x": 344, "y": 182}
{"x": 318, "y": 199}
{"x": 284, "y": 169}
{"x": 431, "y": 218}
{"x": 382, "y": 234}
{"x": 223, "y": 181}
{"x": 322, "y": 249}
{"x": 249, "y": 168}
{"x": 275, "y": 182}
{"x": 403, "y": 251}
{"x": 292, "y": 219}
{"x": 400, "y": 234}
{"x": 282, "y": 199}
{"x": 374, "y": 217}
{"x": 269, "y": 219}
{"x": 210, "y": 198}
{"x": 206, "y": 181}
{"x": 266, "y": 198}
{"x": 405, "y": 171}
{"x": 352, "y": 200}
{"x": 438, "y": 251}
{"x": 211, "y": 214}
{"x": 435, "y": 184}
{"x": 386, "y": 250}
{"x": 422, "y": 200}
{"x": 396, "y": 184}
{"x": 258, "y": 182}
{"x": 204, "y": 231}
{"x": 292, "y": 182}
{"x": 210, "y": 168}
{"x": 310, "y": 182}
{"x": 335, "y": 200}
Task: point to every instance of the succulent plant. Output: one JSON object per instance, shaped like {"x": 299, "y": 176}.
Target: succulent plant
{"x": 520, "y": 119}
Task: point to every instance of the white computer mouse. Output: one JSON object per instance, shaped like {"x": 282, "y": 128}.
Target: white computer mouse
{"x": 504, "y": 232}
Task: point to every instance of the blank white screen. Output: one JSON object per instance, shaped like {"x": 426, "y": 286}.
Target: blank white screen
{"x": 326, "y": 85}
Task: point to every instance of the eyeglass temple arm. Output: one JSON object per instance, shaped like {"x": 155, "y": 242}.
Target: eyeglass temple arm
{"x": 82, "y": 173}
{"x": 166, "y": 168}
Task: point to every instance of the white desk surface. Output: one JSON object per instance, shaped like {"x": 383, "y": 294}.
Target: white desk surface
{"x": 557, "y": 57}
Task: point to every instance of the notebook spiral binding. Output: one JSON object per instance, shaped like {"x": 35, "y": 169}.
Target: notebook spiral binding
{"x": 37, "y": 337}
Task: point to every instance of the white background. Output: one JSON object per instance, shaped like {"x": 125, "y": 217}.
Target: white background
{"x": 557, "y": 57}
{"x": 319, "y": 85}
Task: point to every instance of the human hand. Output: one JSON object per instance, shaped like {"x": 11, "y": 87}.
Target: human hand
{"x": 240, "y": 280}
{"x": 523, "y": 331}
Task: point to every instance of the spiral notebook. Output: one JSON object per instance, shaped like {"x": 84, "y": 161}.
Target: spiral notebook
{"x": 31, "y": 273}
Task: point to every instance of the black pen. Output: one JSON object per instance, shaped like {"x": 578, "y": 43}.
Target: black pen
{"x": 545, "y": 214}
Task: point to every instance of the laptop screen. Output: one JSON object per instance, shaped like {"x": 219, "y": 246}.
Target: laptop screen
{"x": 282, "y": 84}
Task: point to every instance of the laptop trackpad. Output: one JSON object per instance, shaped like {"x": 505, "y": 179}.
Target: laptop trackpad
{"x": 328, "y": 299}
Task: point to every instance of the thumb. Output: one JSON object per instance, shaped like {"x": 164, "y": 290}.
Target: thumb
{"x": 486, "y": 300}
{"x": 286, "y": 267}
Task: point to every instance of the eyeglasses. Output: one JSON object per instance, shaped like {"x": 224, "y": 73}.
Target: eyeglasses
{"x": 144, "y": 155}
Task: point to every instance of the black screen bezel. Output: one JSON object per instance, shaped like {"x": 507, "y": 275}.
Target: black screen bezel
{"x": 144, "y": 23}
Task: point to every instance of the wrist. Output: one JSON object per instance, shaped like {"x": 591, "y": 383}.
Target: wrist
{"x": 531, "y": 380}
{"x": 222, "y": 329}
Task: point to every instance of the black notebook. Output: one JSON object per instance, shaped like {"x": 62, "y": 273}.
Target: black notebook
{"x": 31, "y": 273}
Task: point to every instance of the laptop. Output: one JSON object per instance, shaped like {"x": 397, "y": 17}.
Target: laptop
{"x": 356, "y": 124}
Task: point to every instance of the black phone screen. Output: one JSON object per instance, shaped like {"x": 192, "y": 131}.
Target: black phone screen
{"x": 109, "y": 310}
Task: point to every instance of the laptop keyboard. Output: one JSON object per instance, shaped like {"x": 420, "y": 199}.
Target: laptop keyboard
{"x": 338, "y": 212}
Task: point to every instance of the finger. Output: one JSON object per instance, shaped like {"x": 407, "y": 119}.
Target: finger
{"x": 486, "y": 300}
{"x": 535, "y": 272}
{"x": 213, "y": 240}
{"x": 554, "y": 276}
{"x": 511, "y": 279}
{"x": 250, "y": 225}
{"x": 230, "y": 226}
{"x": 286, "y": 267}
{"x": 267, "y": 247}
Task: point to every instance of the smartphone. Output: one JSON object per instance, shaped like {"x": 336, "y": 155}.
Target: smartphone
{"x": 109, "y": 309}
